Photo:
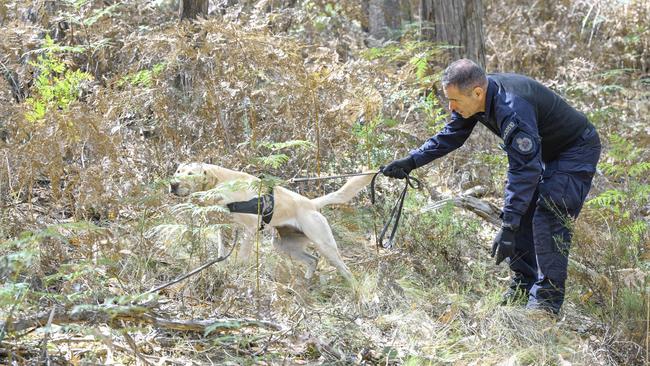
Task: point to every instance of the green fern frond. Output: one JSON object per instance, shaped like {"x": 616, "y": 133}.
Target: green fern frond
{"x": 640, "y": 193}
{"x": 608, "y": 199}
{"x": 421, "y": 63}
{"x": 274, "y": 161}
{"x": 639, "y": 169}
{"x": 622, "y": 149}
{"x": 196, "y": 211}
{"x": 50, "y": 48}
{"x": 636, "y": 230}
{"x": 218, "y": 192}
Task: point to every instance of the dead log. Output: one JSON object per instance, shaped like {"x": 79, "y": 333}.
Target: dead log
{"x": 108, "y": 314}
{"x": 484, "y": 209}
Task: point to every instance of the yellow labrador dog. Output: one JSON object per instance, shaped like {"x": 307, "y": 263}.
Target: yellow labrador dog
{"x": 296, "y": 217}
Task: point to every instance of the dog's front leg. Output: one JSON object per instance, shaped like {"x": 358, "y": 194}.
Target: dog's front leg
{"x": 249, "y": 223}
{"x": 246, "y": 247}
{"x": 215, "y": 238}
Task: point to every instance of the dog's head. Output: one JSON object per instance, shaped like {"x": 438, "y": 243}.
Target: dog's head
{"x": 189, "y": 178}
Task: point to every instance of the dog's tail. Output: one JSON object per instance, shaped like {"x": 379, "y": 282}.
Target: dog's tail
{"x": 345, "y": 193}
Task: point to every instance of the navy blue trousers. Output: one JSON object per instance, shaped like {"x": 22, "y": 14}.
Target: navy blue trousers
{"x": 544, "y": 237}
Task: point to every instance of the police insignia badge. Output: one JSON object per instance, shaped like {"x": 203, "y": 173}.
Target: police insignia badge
{"x": 523, "y": 143}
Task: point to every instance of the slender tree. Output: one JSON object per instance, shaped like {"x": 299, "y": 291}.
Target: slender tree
{"x": 385, "y": 16}
{"x": 458, "y": 23}
{"x": 191, "y": 9}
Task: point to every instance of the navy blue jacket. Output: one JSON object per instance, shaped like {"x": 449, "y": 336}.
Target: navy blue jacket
{"x": 535, "y": 124}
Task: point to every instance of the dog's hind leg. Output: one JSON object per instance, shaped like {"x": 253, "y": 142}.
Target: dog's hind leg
{"x": 293, "y": 244}
{"x": 317, "y": 229}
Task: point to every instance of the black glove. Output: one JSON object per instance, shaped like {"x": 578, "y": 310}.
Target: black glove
{"x": 504, "y": 245}
{"x": 399, "y": 168}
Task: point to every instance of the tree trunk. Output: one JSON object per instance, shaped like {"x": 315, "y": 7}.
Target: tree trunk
{"x": 385, "y": 17}
{"x": 457, "y": 23}
{"x": 191, "y": 9}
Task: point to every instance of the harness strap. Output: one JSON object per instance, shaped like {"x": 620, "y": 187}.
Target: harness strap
{"x": 261, "y": 205}
{"x": 396, "y": 212}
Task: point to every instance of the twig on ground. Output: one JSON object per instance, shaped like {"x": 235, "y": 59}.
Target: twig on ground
{"x": 110, "y": 313}
{"x": 46, "y": 337}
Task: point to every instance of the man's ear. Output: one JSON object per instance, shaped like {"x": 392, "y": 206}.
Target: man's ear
{"x": 478, "y": 91}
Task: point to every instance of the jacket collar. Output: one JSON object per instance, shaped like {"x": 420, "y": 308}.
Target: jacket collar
{"x": 488, "y": 115}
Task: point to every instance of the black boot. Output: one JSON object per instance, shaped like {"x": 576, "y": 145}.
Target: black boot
{"x": 547, "y": 295}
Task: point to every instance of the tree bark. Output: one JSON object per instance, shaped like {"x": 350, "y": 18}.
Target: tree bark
{"x": 385, "y": 17}
{"x": 191, "y": 9}
{"x": 457, "y": 23}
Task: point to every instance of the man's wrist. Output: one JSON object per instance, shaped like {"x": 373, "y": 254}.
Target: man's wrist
{"x": 410, "y": 161}
{"x": 510, "y": 221}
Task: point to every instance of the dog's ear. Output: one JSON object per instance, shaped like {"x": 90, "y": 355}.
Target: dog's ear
{"x": 209, "y": 176}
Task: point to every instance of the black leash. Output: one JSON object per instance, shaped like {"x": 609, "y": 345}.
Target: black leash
{"x": 179, "y": 279}
{"x": 396, "y": 212}
{"x": 306, "y": 179}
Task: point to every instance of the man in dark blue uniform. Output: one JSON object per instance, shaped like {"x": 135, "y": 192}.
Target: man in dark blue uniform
{"x": 552, "y": 155}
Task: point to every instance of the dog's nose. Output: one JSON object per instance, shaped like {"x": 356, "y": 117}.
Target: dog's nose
{"x": 173, "y": 187}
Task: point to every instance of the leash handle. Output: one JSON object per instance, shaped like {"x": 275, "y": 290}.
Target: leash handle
{"x": 396, "y": 211}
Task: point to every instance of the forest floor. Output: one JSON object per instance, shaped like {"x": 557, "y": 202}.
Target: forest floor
{"x": 95, "y": 119}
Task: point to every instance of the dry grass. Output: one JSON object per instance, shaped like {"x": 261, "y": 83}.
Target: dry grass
{"x": 215, "y": 91}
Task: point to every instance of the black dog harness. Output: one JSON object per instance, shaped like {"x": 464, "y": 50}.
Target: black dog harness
{"x": 262, "y": 206}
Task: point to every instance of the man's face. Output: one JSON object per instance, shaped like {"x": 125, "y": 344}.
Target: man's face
{"x": 463, "y": 103}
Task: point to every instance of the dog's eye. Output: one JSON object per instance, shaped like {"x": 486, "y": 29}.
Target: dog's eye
{"x": 205, "y": 172}
{"x": 190, "y": 173}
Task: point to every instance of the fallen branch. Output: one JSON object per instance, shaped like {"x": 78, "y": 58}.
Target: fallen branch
{"x": 197, "y": 270}
{"x": 107, "y": 314}
{"x": 486, "y": 210}
{"x": 490, "y": 213}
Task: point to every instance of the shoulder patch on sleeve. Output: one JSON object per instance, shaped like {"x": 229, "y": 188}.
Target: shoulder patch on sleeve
{"x": 508, "y": 129}
{"x": 523, "y": 143}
